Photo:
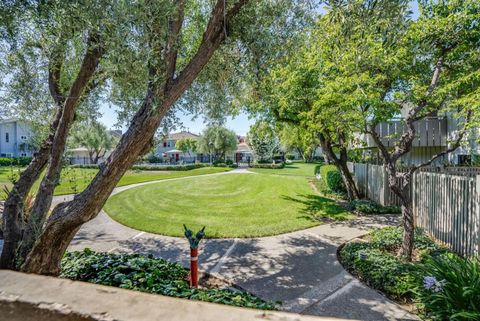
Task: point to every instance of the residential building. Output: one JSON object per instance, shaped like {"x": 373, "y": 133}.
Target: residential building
{"x": 169, "y": 152}
{"x": 81, "y": 155}
{"x": 243, "y": 154}
{"x": 15, "y": 137}
{"x": 433, "y": 135}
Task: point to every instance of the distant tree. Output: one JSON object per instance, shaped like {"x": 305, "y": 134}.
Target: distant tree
{"x": 263, "y": 140}
{"x": 296, "y": 138}
{"x": 95, "y": 138}
{"x": 187, "y": 145}
{"x": 217, "y": 141}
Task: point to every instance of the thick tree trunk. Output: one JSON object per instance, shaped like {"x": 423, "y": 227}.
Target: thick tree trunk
{"x": 67, "y": 218}
{"x": 13, "y": 220}
{"x": 341, "y": 164}
{"x": 408, "y": 230}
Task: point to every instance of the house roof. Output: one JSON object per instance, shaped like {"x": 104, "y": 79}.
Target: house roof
{"x": 182, "y": 135}
{"x": 243, "y": 148}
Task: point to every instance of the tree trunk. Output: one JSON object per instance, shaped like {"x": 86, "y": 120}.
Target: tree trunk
{"x": 408, "y": 230}
{"x": 341, "y": 164}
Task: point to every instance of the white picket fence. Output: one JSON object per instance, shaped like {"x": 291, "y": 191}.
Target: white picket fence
{"x": 445, "y": 204}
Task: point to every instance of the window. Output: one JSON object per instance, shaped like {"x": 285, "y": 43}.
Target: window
{"x": 7, "y": 137}
{"x": 23, "y": 154}
{"x": 165, "y": 144}
{"x": 23, "y": 137}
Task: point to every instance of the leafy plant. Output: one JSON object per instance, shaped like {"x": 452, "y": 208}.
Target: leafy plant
{"x": 148, "y": 274}
{"x": 451, "y": 287}
{"x": 332, "y": 178}
{"x": 367, "y": 206}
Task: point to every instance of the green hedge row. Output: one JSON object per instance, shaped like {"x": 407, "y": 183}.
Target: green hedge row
{"x": 270, "y": 166}
{"x": 151, "y": 167}
{"x": 332, "y": 178}
{"x": 17, "y": 161}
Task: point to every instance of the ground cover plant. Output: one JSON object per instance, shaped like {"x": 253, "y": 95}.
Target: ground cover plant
{"x": 233, "y": 205}
{"x": 443, "y": 285}
{"x": 151, "y": 275}
{"x": 366, "y": 206}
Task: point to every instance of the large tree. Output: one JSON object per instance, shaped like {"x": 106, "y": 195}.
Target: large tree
{"x": 263, "y": 141}
{"x": 153, "y": 51}
{"x": 217, "y": 141}
{"x": 410, "y": 69}
{"x": 95, "y": 138}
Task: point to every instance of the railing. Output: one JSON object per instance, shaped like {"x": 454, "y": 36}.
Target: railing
{"x": 430, "y": 132}
{"x": 446, "y": 201}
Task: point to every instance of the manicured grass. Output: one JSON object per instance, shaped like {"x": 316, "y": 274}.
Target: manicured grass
{"x": 74, "y": 180}
{"x": 295, "y": 169}
{"x": 233, "y": 205}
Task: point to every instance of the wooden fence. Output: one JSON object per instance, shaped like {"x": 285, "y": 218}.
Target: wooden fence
{"x": 446, "y": 203}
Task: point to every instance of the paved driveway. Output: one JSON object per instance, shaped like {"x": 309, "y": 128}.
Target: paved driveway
{"x": 299, "y": 268}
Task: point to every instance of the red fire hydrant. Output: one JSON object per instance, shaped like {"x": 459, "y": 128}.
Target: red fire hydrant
{"x": 194, "y": 241}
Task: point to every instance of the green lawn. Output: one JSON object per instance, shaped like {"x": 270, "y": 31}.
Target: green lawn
{"x": 295, "y": 169}
{"x": 234, "y": 205}
{"x": 74, "y": 180}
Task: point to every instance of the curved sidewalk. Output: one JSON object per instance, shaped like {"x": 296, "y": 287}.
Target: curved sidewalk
{"x": 299, "y": 268}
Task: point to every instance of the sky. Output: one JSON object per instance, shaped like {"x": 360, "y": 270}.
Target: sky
{"x": 240, "y": 124}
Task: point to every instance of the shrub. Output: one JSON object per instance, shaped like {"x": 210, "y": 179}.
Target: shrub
{"x": 367, "y": 206}
{"x": 148, "y": 274}
{"x": 153, "y": 159}
{"x": 145, "y": 167}
{"x": 18, "y": 161}
{"x": 268, "y": 166}
{"x": 290, "y": 157}
{"x": 332, "y": 178}
{"x": 450, "y": 288}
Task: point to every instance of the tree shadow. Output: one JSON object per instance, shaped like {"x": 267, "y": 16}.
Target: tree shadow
{"x": 317, "y": 208}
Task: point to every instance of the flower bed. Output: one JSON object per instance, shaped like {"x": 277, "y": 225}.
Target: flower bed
{"x": 151, "y": 275}
{"x": 443, "y": 285}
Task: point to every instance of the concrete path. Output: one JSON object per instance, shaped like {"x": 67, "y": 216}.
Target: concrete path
{"x": 299, "y": 268}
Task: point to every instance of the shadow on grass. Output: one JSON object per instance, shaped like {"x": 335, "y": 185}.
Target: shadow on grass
{"x": 318, "y": 208}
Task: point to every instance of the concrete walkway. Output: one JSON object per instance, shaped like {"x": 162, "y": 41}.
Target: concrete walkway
{"x": 299, "y": 268}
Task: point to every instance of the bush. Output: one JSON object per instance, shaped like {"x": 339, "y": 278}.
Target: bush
{"x": 151, "y": 167}
{"x": 451, "y": 288}
{"x": 153, "y": 159}
{"x": 366, "y": 206}
{"x": 268, "y": 166}
{"x": 290, "y": 157}
{"x": 18, "y": 161}
{"x": 445, "y": 285}
{"x": 148, "y": 274}
{"x": 332, "y": 178}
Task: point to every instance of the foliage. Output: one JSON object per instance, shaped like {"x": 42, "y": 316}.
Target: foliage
{"x": 295, "y": 138}
{"x": 187, "y": 145}
{"x": 332, "y": 178}
{"x": 19, "y": 161}
{"x": 289, "y": 156}
{"x": 268, "y": 166}
{"x": 451, "y": 287}
{"x": 148, "y": 274}
{"x": 376, "y": 262}
{"x": 263, "y": 141}
{"x": 95, "y": 138}
{"x": 367, "y": 206}
{"x": 217, "y": 141}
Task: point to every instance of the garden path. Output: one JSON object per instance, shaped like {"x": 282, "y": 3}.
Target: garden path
{"x": 298, "y": 268}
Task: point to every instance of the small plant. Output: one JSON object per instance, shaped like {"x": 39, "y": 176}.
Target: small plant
{"x": 366, "y": 206}
{"x": 451, "y": 287}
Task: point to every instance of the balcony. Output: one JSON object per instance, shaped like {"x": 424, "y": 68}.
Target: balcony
{"x": 430, "y": 132}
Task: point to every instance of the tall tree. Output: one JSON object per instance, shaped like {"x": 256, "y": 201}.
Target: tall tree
{"x": 263, "y": 141}
{"x": 217, "y": 141}
{"x": 412, "y": 70}
{"x": 164, "y": 47}
{"x": 95, "y": 138}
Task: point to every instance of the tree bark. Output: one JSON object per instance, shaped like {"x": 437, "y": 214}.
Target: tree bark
{"x": 341, "y": 164}
{"x": 67, "y": 218}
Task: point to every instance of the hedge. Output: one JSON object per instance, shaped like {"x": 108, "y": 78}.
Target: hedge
{"x": 18, "y": 161}
{"x": 332, "y": 178}
{"x": 269, "y": 166}
{"x": 151, "y": 167}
